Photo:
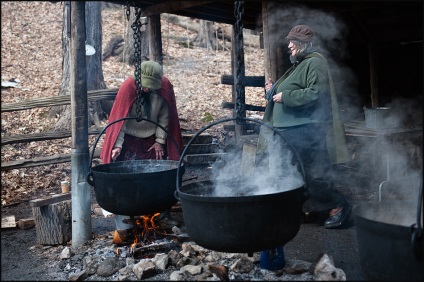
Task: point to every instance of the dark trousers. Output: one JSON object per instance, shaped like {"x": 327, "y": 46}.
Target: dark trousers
{"x": 309, "y": 143}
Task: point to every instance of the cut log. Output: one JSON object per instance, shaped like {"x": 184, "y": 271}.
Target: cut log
{"x": 26, "y": 223}
{"x": 53, "y": 223}
{"x": 8, "y": 222}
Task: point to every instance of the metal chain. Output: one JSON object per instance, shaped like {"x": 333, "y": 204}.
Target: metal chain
{"x": 239, "y": 11}
{"x": 137, "y": 59}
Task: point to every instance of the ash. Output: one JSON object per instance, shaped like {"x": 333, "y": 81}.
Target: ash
{"x": 174, "y": 258}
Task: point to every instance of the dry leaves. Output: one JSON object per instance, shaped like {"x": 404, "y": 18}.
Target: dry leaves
{"x": 32, "y": 53}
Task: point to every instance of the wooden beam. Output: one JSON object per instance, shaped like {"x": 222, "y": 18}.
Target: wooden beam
{"x": 42, "y": 136}
{"x": 171, "y": 6}
{"x": 246, "y": 126}
{"x": 252, "y": 81}
{"x": 92, "y": 96}
{"x": 230, "y": 105}
{"x": 55, "y": 159}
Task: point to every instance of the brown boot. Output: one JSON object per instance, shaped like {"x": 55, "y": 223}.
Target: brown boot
{"x": 123, "y": 237}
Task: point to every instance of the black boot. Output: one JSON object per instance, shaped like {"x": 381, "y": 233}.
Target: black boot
{"x": 339, "y": 219}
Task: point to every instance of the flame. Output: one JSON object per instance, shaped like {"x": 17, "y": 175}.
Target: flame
{"x": 149, "y": 223}
{"x": 146, "y": 223}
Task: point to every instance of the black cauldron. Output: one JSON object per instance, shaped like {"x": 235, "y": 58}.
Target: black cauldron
{"x": 242, "y": 223}
{"x": 138, "y": 187}
{"x": 387, "y": 248}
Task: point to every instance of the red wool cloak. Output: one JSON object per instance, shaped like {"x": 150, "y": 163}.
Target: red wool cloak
{"x": 124, "y": 99}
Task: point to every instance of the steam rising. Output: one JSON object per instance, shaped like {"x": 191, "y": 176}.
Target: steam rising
{"x": 276, "y": 171}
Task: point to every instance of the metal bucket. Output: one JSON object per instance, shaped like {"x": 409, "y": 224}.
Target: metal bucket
{"x": 378, "y": 118}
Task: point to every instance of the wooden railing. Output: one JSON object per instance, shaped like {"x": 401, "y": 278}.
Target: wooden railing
{"x": 92, "y": 96}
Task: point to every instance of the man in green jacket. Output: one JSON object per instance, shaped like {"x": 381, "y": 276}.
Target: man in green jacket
{"x": 302, "y": 106}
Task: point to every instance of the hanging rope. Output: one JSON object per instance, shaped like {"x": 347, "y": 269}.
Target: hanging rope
{"x": 240, "y": 107}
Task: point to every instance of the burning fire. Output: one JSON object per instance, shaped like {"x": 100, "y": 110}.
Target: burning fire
{"x": 147, "y": 225}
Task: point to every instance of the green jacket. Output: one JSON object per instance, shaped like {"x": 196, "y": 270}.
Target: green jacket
{"x": 308, "y": 96}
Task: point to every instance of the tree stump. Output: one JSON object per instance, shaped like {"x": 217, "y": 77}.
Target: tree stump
{"x": 53, "y": 223}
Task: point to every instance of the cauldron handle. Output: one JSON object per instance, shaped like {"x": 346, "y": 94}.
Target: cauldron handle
{"x": 417, "y": 233}
{"x": 238, "y": 119}
{"x": 89, "y": 175}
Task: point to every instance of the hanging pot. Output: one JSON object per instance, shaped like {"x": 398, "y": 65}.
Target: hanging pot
{"x": 390, "y": 240}
{"x": 137, "y": 187}
{"x": 241, "y": 223}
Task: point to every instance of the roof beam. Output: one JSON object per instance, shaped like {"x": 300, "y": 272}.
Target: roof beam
{"x": 171, "y": 6}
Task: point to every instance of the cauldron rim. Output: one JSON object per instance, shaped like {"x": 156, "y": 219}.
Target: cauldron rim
{"x": 100, "y": 168}
{"x": 241, "y": 198}
{"x": 358, "y": 211}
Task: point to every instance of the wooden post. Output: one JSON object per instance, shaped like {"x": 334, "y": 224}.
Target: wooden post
{"x": 276, "y": 58}
{"x": 81, "y": 203}
{"x": 155, "y": 38}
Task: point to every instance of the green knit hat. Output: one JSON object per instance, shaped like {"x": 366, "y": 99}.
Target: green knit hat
{"x": 151, "y": 75}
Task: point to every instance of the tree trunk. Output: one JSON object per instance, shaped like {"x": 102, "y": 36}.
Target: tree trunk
{"x": 64, "y": 111}
{"x": 95, "y": 80}
{"x": 128, "y": 45}
{"x": 206, "y": 37}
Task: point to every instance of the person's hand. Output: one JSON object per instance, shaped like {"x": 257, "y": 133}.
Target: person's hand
{"x": 268, "y": 84}
{"x": 278, "y": 98}
{"x": 115, "y": 153}
{"x": 158, "y": 149}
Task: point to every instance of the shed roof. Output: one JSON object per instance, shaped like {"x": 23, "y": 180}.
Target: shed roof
{"x": 385, "y": 21}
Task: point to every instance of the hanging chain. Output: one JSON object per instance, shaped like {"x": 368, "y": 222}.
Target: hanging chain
{"x": 239, "y": 11}
{"x": 137, "y": 58}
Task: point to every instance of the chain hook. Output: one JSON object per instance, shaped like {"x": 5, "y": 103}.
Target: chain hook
{"x": 240, "y": 107}
{"x": 137, "y": 59}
